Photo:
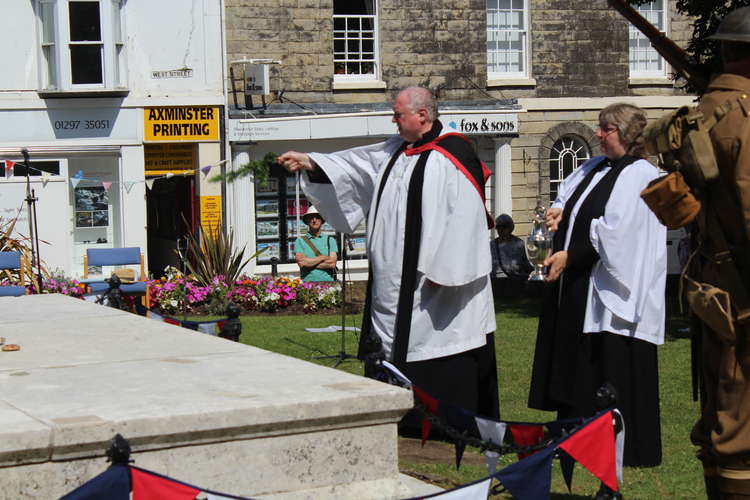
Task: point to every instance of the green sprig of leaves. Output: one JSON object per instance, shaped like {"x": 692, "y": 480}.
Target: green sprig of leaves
{"x": 259, "y": 169}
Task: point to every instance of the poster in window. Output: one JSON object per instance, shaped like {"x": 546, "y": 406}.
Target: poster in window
{"x": 268, "y": 229}
{"x": 100, "y": 218}
{"x": 271, "y": 186}
{"x": 293, "y": 209}
{"x": 271, "y": 249}
{"x": 267, "y": 208}
{"x": 91, "y": 198}
{"x": 295, "y": 227}
{"x": 360, "y": 246}
{"x": 291, "y": 187}
{"x": 84, "y": 219}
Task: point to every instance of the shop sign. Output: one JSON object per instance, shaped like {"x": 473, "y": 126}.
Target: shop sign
{"x": 169, "y": 157}
{"x": 181, "y": 123}
{"x": 210, "y": 213}
{"x": 473, "y": 124}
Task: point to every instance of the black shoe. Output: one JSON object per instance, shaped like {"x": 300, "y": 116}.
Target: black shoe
{"x": 606, "y": 493}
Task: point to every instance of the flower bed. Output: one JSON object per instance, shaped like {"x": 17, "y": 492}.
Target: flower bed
{"x": 176, "y": 293}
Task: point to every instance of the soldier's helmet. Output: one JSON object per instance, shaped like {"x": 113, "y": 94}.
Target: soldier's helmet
{"x": 735, "y": 27}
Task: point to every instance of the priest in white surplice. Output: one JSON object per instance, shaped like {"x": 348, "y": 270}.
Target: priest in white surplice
{"x": 429, "y": 306}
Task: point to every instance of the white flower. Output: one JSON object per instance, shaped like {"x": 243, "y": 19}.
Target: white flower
{"x": 173, "y": 303}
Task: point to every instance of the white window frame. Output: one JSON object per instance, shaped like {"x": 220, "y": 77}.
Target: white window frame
{"x": 636, "y": 37}
{"x": 494, "y": 13}
{"x": 580, "y": 152}
{"x": 366, "y": 77}
{"x": 53, "y": 28}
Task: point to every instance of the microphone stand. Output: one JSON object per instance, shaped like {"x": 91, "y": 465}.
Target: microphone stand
{"x": 31, "y": 200}
{"x": 342, "y": 355}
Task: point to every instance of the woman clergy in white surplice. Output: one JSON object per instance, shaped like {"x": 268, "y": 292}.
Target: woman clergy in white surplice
{"x": 429, "y": 304}
{"x": 604, "y": 315}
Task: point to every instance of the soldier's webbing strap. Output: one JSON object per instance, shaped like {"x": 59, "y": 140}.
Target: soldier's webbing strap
{"x": 733, "y": 263}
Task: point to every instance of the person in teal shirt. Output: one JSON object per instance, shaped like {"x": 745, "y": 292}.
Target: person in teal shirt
{"x": 315, "y": 253}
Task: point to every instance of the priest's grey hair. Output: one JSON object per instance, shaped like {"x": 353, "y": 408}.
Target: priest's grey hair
{"x": 630, "y": 121}
{"x": 421, "y": 98}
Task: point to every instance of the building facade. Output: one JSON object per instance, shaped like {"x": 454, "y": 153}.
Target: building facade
{"x": 119, "y": 104}
{"x": 537, "y": 70}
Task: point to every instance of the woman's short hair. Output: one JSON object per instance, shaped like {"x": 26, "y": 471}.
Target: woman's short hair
{"x": 630, "y": 121}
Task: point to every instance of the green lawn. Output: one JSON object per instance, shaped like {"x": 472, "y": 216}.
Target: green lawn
{"x": 679, "y": 476}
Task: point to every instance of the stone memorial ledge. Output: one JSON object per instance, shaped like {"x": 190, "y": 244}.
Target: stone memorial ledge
{"x": 214, "y": 413}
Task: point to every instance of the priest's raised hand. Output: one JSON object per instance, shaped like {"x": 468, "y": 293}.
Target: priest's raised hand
{"x": 294, "y": 161}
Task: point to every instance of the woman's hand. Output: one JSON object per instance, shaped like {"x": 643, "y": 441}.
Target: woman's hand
{"x": 552, "y": 218}
{"x": 557, "y": 263}
{"x": 294, "y": 161}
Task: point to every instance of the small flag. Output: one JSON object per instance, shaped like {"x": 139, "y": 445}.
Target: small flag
{"x": 431, "y": 407}
{"x": 74, "y": 181}
{"x": 129, "y": 185}
{"x": 473, "y": 491}
{"x": 209, "y": 328}
{"x": 113, "y": 483}
{"x": 148, "y": 486}
{"x": 593, "y": 446}
{"x": 530, "y": 478}
{"x": 150, "y": 183}
{"x": 206, "y": 169}
{"x": 45, "y": 178}
{"x": 9, "y": 168}
{"x": 106, "y": 185}
{"x": 526, "y": 435}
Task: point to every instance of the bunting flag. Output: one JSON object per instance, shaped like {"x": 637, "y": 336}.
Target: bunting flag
{"x": 567, "y": 464}
{"x": 113, "y": 484}
{"x": 594, "y": 447}
{"x": 526, "y": 435}
{"x": 397, "y": 373}
{"x": 106, "y": 185}
{"x": 148, "y": 486}
{"x": 74, "y": 181}
{"x": 206, "y": 169}
{"x": 461, "y": 420}
{"x": 474, "y": 491}
{"x": 9, "y": 168}
{"x": 530, "y": 478}
{"x": 46, "y": 176}
{"x": 129, "y": 185}
{"x": 431, "y": 407}
{"x": 150, "y": 183}
{"x": 493, "y": 432}
{"x": 620, "y": 443}
{"x": 208, "y": 328}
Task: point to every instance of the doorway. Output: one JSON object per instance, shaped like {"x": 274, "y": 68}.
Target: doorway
{"x": 171, "y": 212}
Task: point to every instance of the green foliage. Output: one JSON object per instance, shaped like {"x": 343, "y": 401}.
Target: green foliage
{"x": 212, "y": 253}
{"x": 706, "y": 16}
{"x": 259, "y": 169}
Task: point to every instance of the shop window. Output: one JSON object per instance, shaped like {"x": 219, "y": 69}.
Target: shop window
{"x": 38, "y": 168}
{"x": 81, "y": 45}
{"x": 355, "y": 40}
{"x": 96, "y": 207}
{"x": 279, "y": 207}
{"x": 567, "y": 154}
{"x": 644, "y": 60}
{"x": 507, "y": 35}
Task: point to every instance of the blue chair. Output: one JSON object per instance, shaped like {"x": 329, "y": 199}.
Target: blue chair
{"x": 12, "y": 260}
{"x": 115, "y": 257}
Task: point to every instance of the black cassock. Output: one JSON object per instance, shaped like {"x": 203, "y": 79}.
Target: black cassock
{"x": 569, "y": 366}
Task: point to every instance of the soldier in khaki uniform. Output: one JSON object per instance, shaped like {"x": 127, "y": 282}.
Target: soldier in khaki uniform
{"x": 723, "y": 431}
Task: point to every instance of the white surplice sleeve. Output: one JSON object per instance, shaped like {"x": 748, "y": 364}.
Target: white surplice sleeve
{"x": 353, "y": 173}
{"x": 631, "y": 243}
{"x": 455, "y": 248}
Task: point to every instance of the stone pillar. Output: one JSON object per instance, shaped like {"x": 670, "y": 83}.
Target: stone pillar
{"x": 240, "y": 204}
{"x": 503, "y": 196}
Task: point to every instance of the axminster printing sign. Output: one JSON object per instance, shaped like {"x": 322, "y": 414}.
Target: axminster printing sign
{"x": 181, "y": 123}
